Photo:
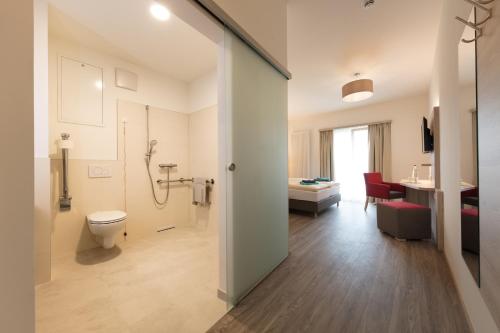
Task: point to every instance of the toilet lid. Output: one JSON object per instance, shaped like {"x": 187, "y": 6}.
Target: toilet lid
{"x": 107, "y": 216}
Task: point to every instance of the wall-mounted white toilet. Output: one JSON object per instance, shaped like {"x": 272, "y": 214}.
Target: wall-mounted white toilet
{"x": 106, "y": 225}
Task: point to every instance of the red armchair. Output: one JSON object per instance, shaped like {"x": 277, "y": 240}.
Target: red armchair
{"x": 377, "y": 188}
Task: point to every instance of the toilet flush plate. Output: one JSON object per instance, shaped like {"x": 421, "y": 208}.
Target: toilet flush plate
{"x": 100, "y": 171}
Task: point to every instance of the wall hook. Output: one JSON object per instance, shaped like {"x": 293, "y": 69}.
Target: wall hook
{"x": 484, "y": 2}
{"x": 483, "y": 8}
{"x": 479, "y": 31}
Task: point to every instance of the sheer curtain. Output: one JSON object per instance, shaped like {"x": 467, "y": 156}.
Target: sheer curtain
{"x": 379, "y": 156}
{"x": 326, "y": 153}
{"x": 351, "y": 161}
{"x": 300, "y": 155}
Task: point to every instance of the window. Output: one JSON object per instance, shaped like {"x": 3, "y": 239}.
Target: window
{"x": 351, "y": 161}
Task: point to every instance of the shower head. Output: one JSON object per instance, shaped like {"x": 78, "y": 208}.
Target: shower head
{"x": 150, "y": 151}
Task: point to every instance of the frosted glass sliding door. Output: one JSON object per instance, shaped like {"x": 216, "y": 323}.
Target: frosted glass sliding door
{"x": 257, "y": 210}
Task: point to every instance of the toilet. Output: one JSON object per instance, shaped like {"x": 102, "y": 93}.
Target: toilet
{"x": 106, "y": 225}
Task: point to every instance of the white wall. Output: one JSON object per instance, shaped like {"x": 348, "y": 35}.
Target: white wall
{"x": 264, "y": 20}
{"x": 17, "y": 167}
{"x": 170, "y": 102}
{"x": 41, "y": 55}
{"x": 171, "y": 129}
{"x": 100, "y": 143}
{"x": 406, "y": 116}
{"x": 187, "y": 140}
{"x": 203, "y": 161}
{"x": 203, "y": 92}
{"x": 445, "y": 93}
{"x": 42, "y": 162}
{"x": 43, "y": 221}
{"x": 182, "y": 139}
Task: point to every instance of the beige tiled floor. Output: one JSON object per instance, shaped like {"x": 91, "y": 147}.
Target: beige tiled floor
{"x": 166, "y": 283}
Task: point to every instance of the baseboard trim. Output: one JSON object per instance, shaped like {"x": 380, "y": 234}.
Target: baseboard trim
{"x": 222, "y": 295}
{"x": 467, "y": 317}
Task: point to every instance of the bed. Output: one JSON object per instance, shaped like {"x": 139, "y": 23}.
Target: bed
{"x": 312, "y": 198}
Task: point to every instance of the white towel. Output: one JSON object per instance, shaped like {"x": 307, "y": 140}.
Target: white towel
{"x": 200, "y": 191}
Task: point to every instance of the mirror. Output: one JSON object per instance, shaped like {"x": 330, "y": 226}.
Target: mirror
{"x": 469, "y": 196}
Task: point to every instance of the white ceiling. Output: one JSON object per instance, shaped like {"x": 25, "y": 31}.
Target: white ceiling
{"x": 392, "y": 43}
{"x": 172, "y": 47}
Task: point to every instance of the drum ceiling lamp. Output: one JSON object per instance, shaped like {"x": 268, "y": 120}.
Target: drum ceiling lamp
{"x": 357, "y": 90}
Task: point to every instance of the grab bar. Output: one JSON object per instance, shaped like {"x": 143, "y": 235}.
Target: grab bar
{"x": 65, "y": 199}
{"x": 182, "y": 180}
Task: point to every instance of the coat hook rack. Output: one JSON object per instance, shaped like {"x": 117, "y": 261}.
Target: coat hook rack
{"x": 483, "y": 8}
{"x": 478, "y": 4}
{"x": 473, "y": 26}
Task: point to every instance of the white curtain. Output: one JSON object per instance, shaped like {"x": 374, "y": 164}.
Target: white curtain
{"x": 300, "y": 155}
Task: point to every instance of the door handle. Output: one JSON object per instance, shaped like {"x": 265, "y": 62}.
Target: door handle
{"x": 231, "y": 167}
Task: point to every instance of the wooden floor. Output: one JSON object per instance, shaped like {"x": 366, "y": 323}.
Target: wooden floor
{"x": 343, "y": 275}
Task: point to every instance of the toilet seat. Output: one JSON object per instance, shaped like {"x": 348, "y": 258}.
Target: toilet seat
{"x": 107, "y": 217}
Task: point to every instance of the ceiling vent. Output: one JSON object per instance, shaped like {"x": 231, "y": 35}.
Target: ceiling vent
{"x": 368, "y": 3}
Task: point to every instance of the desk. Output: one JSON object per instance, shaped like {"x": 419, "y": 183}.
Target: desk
{"x": 421, "y": 193}
{"x": 424, "y": 193}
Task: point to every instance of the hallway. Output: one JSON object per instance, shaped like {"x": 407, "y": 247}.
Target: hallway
{"x": 343, "y": 275}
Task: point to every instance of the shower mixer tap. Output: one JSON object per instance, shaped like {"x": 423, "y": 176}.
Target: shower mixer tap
{"x": 168, "y": 165}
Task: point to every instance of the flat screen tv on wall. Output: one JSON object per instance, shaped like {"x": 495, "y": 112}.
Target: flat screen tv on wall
{"x": 427, "y": 138}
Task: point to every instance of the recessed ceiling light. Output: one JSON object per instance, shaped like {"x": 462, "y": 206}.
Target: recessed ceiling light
{"x": 159, "y": 11}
